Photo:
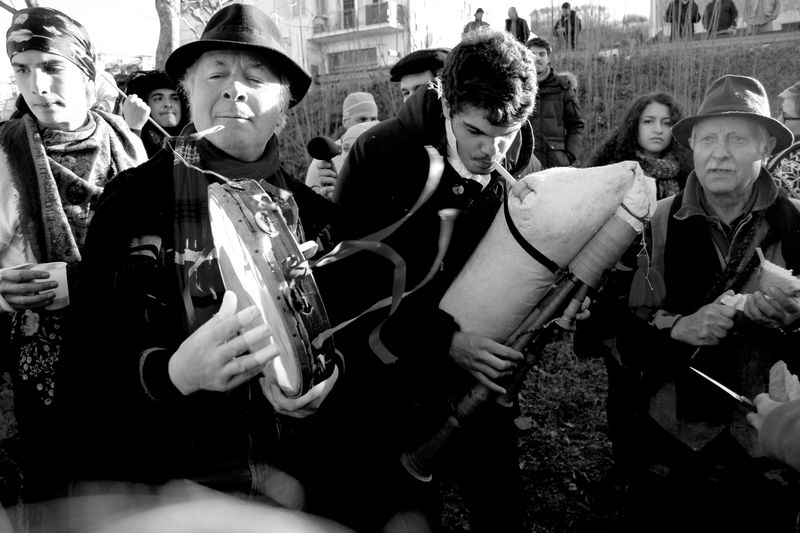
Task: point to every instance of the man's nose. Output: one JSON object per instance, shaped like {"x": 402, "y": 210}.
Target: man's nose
{"x": 236, "y": 92}
{"x": 40, "y": 82}
{"x": 493, "y": 147}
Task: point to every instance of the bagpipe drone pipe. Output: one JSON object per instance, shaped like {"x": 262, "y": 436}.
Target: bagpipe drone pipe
{"x": 561, "y": 229}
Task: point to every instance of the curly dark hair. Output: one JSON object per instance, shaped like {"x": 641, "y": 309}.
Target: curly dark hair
{"x": 622, "y": 143}
{"x": 491, "y": 71}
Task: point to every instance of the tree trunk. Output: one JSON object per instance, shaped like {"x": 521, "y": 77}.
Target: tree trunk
{"x": 169, "y": 34}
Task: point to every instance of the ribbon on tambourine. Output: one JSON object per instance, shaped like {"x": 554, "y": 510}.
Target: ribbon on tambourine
{"x": 372, "y": 243}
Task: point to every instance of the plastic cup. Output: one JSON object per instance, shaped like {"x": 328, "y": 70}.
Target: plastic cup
{"x": 58, "y": 273}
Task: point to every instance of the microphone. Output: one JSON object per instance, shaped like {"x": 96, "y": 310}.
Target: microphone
{"x": 323, "y": 148}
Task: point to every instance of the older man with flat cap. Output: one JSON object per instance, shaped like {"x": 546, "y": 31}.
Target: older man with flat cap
{"x": 699, "y": 468}
{"x": 170, "y": 388}
{"x": 417, "y": 68}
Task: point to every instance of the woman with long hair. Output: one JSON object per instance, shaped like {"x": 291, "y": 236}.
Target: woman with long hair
{"x": 644, "y": 136}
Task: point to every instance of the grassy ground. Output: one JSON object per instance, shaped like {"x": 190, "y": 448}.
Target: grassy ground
{"x": 565, "y": 454}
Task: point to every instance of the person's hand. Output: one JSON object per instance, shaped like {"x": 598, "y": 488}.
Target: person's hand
{"x": 764, "y": 406}
{"x": 484, "y": 358}
{"x": 584, "y": 311}
{"x": 327, "y": 179}
{"x": 707, "y": 325}
{"x": 303, "y": 406}
{"x": 21, "y": 291}
{"x": 220, "y": 355}
{"x": 135, "y": 111}
{"x": 773, "y": 310}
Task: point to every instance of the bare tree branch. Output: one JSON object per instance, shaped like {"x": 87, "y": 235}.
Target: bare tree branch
{"x": 7, "y": 7}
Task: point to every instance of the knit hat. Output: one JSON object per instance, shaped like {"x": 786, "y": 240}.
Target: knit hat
{"x": 479, "y": 10}
{"x": 51, "y": 31}
{"x": 357, "y": 105}
{"x": 735, "y": 96}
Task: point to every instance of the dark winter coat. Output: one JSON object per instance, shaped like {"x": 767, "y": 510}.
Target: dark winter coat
{"x": 682, "y": 18}
{"x": 385, "y": 409}
{"x": 132, "y": 423}
{"x": 557, "y": 123}
{"x": 567, "y": 29}
{"x": 520, "y": 30}
{"x": 721, "y": 18}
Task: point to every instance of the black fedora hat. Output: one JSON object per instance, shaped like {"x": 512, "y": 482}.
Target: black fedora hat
{"x": 735, "y": 96}
{"x": 242, "y": 27}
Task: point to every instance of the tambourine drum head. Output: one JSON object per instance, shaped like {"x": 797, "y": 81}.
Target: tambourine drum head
{"x": 246, "y": 272}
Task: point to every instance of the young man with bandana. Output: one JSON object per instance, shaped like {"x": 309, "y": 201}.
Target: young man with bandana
{"x": 471, "y": 118}
{"x": 57, "y": 156}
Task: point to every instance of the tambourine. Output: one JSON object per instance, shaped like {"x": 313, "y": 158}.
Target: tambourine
{"x": 263, "y": 264}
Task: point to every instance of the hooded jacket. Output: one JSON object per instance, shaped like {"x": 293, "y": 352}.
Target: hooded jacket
{"x": 557, "y": 123}
{"x": 379, "y": 183}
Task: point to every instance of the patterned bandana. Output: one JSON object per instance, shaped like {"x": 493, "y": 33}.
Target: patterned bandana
{"x": 51, "y": 31}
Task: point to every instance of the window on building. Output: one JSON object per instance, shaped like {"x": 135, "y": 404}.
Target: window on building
{"x": 348, "y": 14}
{"x": 350, "y": 60}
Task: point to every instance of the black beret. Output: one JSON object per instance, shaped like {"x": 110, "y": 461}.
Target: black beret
{"x": 419, "y": 61}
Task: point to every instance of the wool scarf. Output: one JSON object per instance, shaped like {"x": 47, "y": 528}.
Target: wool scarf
{"x": 664, "y": 170}
{"x": 59, "y": 175}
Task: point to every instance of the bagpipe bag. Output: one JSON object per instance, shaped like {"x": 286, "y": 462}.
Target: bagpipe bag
{"x": 558, "y": 211}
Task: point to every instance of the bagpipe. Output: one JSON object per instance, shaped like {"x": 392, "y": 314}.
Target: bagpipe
{"x": 558, "y": 233}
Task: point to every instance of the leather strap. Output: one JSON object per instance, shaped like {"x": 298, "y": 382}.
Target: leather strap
{"x": 528, "y": 247}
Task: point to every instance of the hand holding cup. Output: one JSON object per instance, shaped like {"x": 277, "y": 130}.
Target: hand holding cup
{"x": 32, "y": 286}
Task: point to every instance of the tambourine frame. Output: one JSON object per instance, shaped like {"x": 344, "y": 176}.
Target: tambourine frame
{"x": 261, "y": 261}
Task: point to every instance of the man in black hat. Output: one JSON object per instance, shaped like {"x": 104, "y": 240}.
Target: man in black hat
{"x": 476, "y": 24}
{"x": 166, "y": 105}
{"x": 720, "y": 315}
{"x": 417, "y": 68}
{"x": 169, "y": 387}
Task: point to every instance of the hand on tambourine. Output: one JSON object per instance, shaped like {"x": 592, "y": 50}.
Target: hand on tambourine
{"x": 707, "y": 325}
{"x": 219, "y": 355}
{"x": 303, "y": 406}
{"x": 484, "y": 358}
{"x": 774, "y": 309}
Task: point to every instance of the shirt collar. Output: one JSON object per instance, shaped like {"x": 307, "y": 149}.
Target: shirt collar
{"x": 455, "y": 160}
{"x": 694, "y": 203}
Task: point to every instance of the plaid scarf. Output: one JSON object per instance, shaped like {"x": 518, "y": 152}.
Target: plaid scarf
{"x": 59, "y": 175}
{"x": 664, "y": 170}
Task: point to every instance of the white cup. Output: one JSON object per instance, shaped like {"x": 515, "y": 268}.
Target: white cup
{"x": 58, "y": 273}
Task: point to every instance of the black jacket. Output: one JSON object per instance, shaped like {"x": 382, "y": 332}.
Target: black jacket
{"x": 131, "y": 423}
{"x": 557, "y": 123}
{"x": 382, "y": 178}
